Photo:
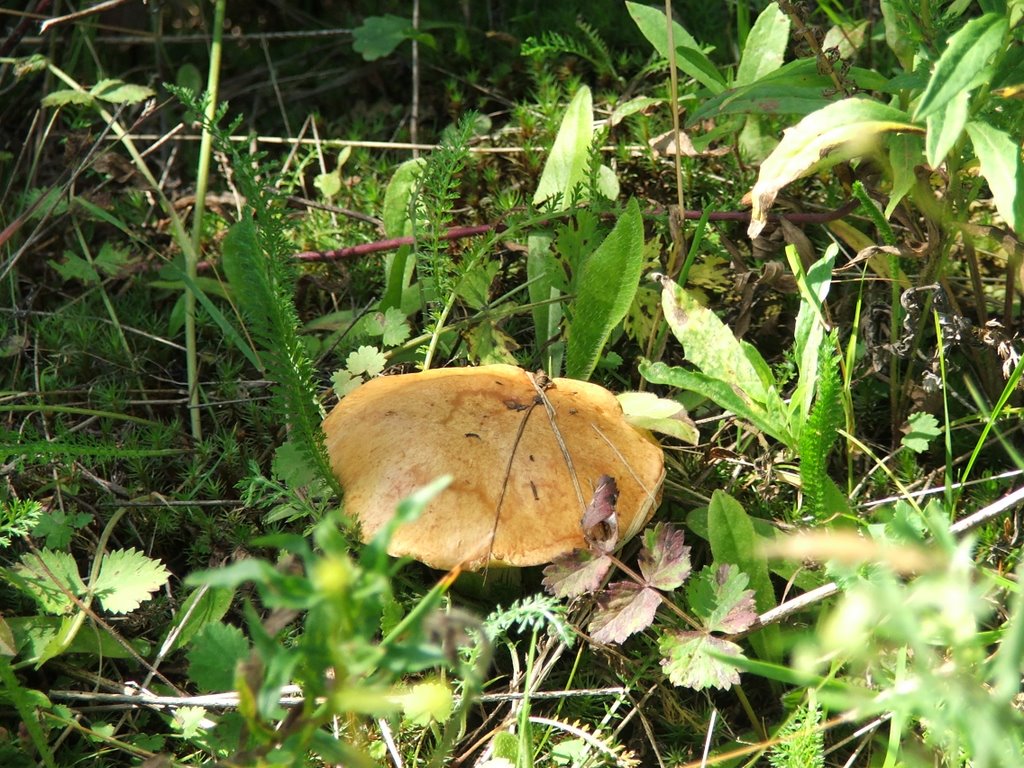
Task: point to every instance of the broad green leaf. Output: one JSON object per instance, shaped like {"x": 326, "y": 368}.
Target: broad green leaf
{"x": 366, "y": 359}
{"x": 795, "y": 88}
{"x": 963, "y": 62}
{"x": 810, "y": 328}
{"x": 923, "y": 427}
{"x": 658, "y": 414}
{"x": 689, "y": 57}
{"x": 329, "y": 184}
{"x": 694, "y": 63}
{"x": 378, "y": 36}
{"x": 120, "y": 92}
{"x": 64, "y": 97}
{"x": 34, "y": 634}
{"x": 215, "y": 654}
{"x": 846, "y": 38}
{"x": 37, "y": 579}
{"x": 398, "y": 196}
{"x": 688, "y": 661}
{"x": 709, "y": 343}
{"x": 201, "y": 607}
{"x": 944, "y": 128}
{"x": 1001, "y": 166}
{"x": 605, "y": 286}
{"x": 765, "y": 47}
{"x": 723, "y": 394}
{"x": 568, "y": 163}
{"x": 719, "y": 597}
{"x": 852, "y": 125}
{"x": 732, "y": 538}
{"x": 426, "y": 702}
{"x": 399, "y": 267}
{"x": 631, "y": 107}
{"x": 543, "y": 279}
{"x": 906, "y": 152}
{"x": 128, "y": 578}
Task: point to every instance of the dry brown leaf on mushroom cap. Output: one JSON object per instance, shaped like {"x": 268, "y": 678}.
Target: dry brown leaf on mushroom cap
{"x": 513, "y": 500}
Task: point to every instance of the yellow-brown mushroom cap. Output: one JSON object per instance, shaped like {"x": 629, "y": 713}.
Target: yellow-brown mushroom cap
{"x": 512, "y": 500}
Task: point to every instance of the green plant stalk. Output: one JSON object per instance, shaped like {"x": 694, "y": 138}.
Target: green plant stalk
{"x": 438, "y": 328}
{"x": 993, "y": 417}
{"x": 202, "y": 183}
{"x": 947, "y": 434}
{"x": 26, "y": 710}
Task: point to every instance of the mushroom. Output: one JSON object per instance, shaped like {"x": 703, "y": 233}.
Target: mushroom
{"x": 526, "y": 454}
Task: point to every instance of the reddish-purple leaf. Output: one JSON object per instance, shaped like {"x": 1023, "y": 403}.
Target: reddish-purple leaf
{"x": 600, "y": 523}
{"x": 687, "y": 663}
{"x": 664, "y": 560}
{"x": 623, "y": 609}
{"x": 576, "y": 574}
{"x": 718, "y": 596}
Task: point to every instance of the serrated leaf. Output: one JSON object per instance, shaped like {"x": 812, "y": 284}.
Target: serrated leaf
{"x": 64, "y": 97}
{"x": 922, "y": 428}
{"x": 291, "y": 466}
{"x": 58, "y": 526}
{"x": 120, "y": 92}
{"x": 344, "y": 382}
{"x": 623, "y": 609}
{"x": 687, "y": 662}
{"x": 189, "y": 720}
{"x": 42, "y": 587}
{"x": 999, "y": 155}
{"x": 366, "y": 359}
{"x": 604, "y": 287}
{"x": 962, "y": 64}
{"x": 395, "y": 328}
{"x": 74, "y": 267}
{"x": 664, "y": 559}
{"x": 214, "y": 655}
{"x": 578, "y": 573}
{"x": 719, "y": 597}
{"x": 845, "y": 129}
{"x": 128, "y": 578}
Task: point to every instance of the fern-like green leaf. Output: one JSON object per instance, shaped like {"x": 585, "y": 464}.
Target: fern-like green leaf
{"x": 819, "y": 432}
